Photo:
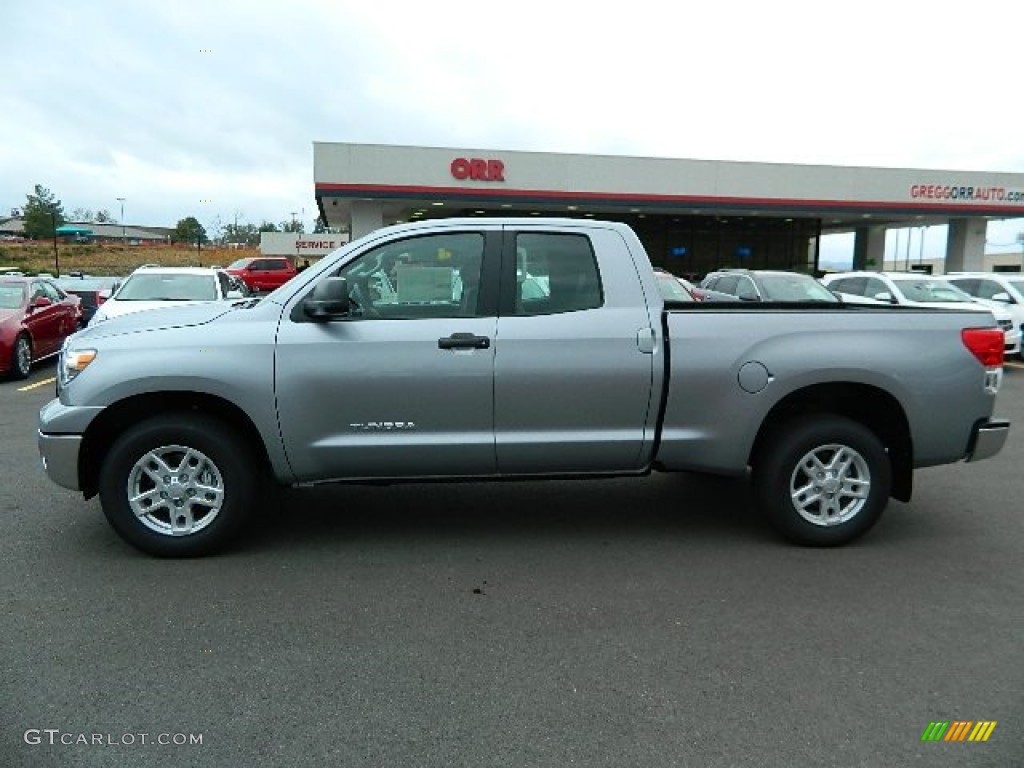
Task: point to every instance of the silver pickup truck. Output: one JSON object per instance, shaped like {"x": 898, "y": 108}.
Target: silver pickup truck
{"x": 497, "y": 348}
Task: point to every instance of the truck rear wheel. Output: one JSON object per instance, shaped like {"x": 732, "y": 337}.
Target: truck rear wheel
{"x": 178, "y": 485}
{"x": 823, "y": 480}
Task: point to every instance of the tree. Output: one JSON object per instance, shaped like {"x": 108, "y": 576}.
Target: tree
{"x": 43, "y": 213}
{"x": 268, "y": 226}
{"x": 319, "y": 226}
{"x": 189, "y": 230}
{"x": 293, "y": 226}
{"x": 103, "y": 216}
{"x": 241, "y": 234}
{"x": 81, "y": 214}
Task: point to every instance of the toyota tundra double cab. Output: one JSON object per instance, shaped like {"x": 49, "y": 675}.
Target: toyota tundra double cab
{"x": 498, "y": 348}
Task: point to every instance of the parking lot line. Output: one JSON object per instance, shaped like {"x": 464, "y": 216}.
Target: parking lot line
{"x": 50, "y": 380}
{"x": 1014, "y": 365}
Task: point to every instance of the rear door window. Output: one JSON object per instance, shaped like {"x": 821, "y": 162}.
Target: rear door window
{"x": 555, "y": 273}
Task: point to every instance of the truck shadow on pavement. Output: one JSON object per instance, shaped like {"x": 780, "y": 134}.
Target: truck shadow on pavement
{"x": 675, "y": 505}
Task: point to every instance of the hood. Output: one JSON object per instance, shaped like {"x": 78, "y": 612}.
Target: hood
{"x": 997, "y": 308}
{"x": 114, "y": 308}
{"x": 180, "y": 316}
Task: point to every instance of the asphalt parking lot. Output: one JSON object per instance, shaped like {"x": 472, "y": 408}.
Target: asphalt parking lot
{"x": 637, "y": 622}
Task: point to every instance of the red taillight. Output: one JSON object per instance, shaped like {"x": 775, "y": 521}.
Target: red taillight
{"x": 986, "y": 344}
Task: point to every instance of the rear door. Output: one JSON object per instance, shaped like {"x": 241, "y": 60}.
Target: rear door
{"x": 575, "y": 364}
{"x": 404, "y": 386}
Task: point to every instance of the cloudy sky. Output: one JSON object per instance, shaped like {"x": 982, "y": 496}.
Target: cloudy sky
{"x": 169, "y": 104}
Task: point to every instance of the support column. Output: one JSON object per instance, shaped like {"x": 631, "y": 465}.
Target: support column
{"x": 965, "y": 245}
{"x": 869, "y": 248}
{"x": 365, "y": 216}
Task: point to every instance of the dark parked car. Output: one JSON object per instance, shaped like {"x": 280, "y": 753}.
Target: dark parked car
{"x": 263, "y": 273}
{"x": 93, "y": 291}
{"x": 767, "y": 285}
{"x": 35, "y": 318}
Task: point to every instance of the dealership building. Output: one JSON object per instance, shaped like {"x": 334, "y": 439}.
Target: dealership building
{"x": 692, "y": 215}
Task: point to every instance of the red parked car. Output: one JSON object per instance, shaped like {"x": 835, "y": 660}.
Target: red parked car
{"x": 263, "y": 273}
{"x": 35, "y": 318}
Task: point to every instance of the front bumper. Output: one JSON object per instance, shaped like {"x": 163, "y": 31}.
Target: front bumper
{"x": 59, "y": 455}
{"x": 987, "y": 439}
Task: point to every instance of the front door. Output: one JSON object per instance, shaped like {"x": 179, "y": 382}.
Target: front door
{"x": 404, "y": 386}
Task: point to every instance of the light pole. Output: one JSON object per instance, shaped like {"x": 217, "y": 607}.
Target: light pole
{"x": 122, "y": 219}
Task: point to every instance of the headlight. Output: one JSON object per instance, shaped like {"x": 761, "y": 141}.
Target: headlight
{"x": 73, "y": 362}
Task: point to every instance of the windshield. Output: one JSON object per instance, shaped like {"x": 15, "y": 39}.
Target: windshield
{"x": 795, "y": 287}
{"x": 670, "y": 288}
{"x": 156, "y": 286}
{"x": 87, "y": 283}
{"x": 931, "y": 290}
{"x": 11, "y": 295}
{"x": 239, "y": 264}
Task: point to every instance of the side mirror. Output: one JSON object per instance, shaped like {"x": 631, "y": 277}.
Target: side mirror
{"x": 234, "y": 295}
{"x": 328, "y": 300}
{"x": 884, "y": 296}
{"x": 1003, "y": 297}
{"x": 39, "y": 302}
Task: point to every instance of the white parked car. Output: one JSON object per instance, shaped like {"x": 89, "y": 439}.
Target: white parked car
{"x": 1007, "y": 288}
{"x": 912, "y": 289}
{"x": 152, "y": 287}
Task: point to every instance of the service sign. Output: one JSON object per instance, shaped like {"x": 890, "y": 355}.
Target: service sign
{"x": 299, "y": 246}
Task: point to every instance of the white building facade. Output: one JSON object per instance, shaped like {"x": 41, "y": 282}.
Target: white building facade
{"x": 692, "y": 215}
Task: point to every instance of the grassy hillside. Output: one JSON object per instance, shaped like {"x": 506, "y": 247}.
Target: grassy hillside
{"x": 32, "y": 258}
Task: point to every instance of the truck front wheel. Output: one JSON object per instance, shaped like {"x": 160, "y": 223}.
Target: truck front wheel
{"x": 178, "y": 485}
{"x": 823, "y": 480}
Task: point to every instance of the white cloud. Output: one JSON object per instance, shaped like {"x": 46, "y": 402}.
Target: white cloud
{"x": 116, "y": 98}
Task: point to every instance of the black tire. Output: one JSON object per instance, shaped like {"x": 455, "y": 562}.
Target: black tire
{"x": 224, "y": 471}
{"x": 797, "y": 500}
{"x": 21, "y": 358}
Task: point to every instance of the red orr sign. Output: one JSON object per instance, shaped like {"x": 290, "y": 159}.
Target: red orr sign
{"x": 477, "y": 169}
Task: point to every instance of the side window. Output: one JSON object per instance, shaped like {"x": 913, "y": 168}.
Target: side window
{"x": 969, "y": 285}
{"x": 38, "y": 290}
{"x": 274, "y": 265}
{"x": 986, "y": 289}
{"x": 257, "y": 266}
{"x": 745, "y": 289}
{"x": 852, "y": 285}
{"x": 430, "y": 276}
{"x": 727, "y": 284}
{"x": 874, "y": 286}
{"x": 555, "y": 273}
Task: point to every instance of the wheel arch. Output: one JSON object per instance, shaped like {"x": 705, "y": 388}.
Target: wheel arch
{"x": 115, "y": 418}
{"x": 871, "y": 406}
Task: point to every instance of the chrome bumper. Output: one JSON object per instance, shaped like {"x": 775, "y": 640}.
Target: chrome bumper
{"x": 59, "y": 455}
{"x": 988, "y": 439}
